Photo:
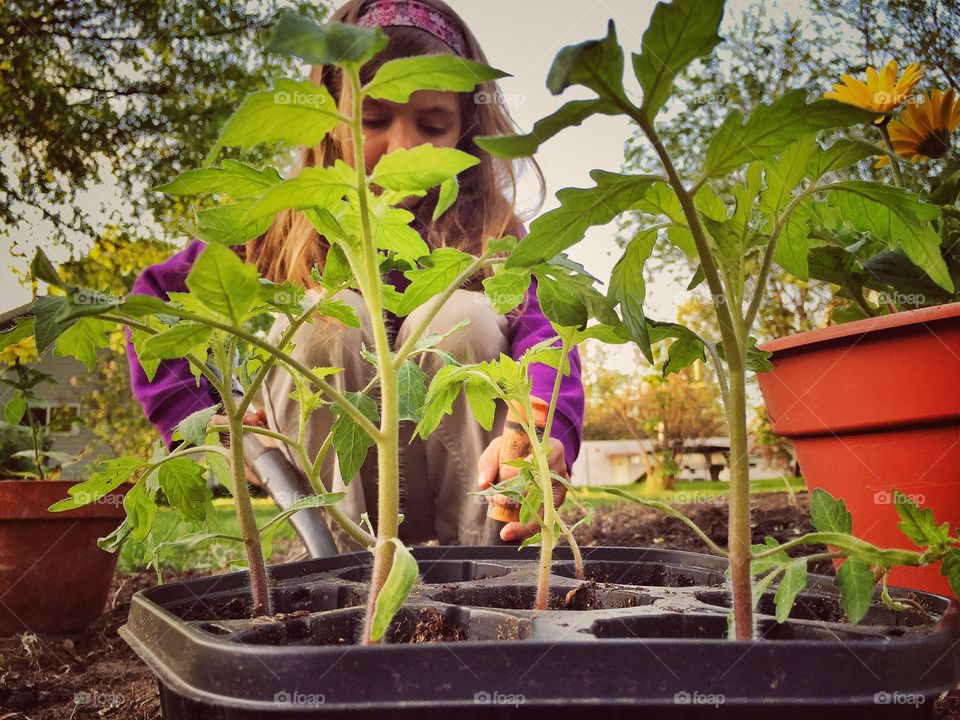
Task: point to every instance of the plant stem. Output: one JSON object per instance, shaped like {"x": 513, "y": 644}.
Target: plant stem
{"x": 734, "y": 349}
{"x": 894, "y": 162}
{"x": 738, "y": 537}
{"x": 259, "y": 580}
{"x": 388, "y": 437}
{"x": 565, "y": 337}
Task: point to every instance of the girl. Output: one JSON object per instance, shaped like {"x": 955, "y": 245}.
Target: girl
{"x": 436, "y": 473}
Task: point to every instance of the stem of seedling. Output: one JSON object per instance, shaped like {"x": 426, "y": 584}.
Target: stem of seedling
{"x": 732, "y": 333}
{"x": 259, "y": 579}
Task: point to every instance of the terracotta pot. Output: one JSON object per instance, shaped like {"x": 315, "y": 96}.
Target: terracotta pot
{"x": 53, "y": 577}
{"x": 871, "y": 406}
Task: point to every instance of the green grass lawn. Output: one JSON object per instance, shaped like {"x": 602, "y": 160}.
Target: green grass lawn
{"x": 685, "y": 491}
{"x": 213, "y": 555}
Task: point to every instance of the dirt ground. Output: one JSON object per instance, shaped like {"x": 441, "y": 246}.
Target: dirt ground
{"x": 95, "y": 674}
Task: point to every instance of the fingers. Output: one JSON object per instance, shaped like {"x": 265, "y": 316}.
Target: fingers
{"x": 488, "y": 464}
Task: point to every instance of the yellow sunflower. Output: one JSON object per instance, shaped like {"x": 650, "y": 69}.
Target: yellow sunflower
{"x": 883, "y": 92}
{"x": 923, "y": 129}
{"x": 25, "y": 351}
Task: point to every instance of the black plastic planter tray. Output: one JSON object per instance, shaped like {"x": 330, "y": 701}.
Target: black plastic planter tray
{"x": 646, "y": 637}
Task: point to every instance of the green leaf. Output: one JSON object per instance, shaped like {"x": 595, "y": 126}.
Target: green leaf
{"x": 112, "y": 542}
{"x": 443, "y": 391}
{"x": 784, "y": 174}
{"x": 311, "y": 501}
{"x": 224, "y": 283}
{"x": 596, "y": 64}
{"x": 420, "y": 167}
{"x": 758, "y": 360}
{"x": 293, "y": 112}
{"x": 794, "y": 580}
{"x": 919, "y": 524}
{"x": 317, "y": 187}
{"x": 449, "y": 190}
{"x": 570, "y": 114}
{"x": 579, "y": 209}
{"x": 15, "y": 408}
{"x": 679, "y": 32}
{"x": 193, "y": 428}
{"x": 828, "y": 514}
{"x": 339, "y": 310}
{"x": 48, "y": 326}
{"x": 105, "y": 477}
{"x": 349, "y": 439}
{"x": 441, "y": 268}
{"x": 42, "y": 269}
{"x": 839, "y": 155}
{"x": 431, "y": 340}
{"x": 327, "y": 44}
{"x": 82, "y": 339}
{"x": 397, "y": 79}
{"x": 628, "y": 289}
{"x": 412, "y": 383}
{"x": 770, "y": 562}
{"x": 770, "y": 127}
{"x": 792, "y": 246}
{"x": 22, "y": 329}
{"x": 855, "y": 580}
{"x": 182, "y": 481}
{"x": 396, "y": 588}
{"x": 141, "y": 510}
{"x": 228, "y": 224}
{"x": 136, "y": 305}
{"x": 559, "y": 298}
{"x": 950, "y": 569}
{"x": 481, "y": 398}
{"x": 391, "y": 231}
{"x": 173, "y": 343}
{"x": 683, "y": 352}
{"x": 506, "y": 288}
{"x": 896, "y": 217}
{"x": 139, "y": 338}
{"x": 232, "y": 178}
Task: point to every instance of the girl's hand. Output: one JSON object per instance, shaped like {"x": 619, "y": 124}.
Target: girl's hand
{"x": 490, "y": 472}
{"x": 257, "y": 419}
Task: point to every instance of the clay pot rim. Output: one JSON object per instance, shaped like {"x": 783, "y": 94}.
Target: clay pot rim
{"x": 33, "y": 497}
{"x": 862, "y": 327}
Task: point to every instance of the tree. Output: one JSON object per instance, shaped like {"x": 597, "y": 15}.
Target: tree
{"x": 644, "y": 404}
{"x": 138, "y": 90}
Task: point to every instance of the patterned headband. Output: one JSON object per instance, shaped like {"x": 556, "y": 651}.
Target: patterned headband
{"x": 413, "y": 13}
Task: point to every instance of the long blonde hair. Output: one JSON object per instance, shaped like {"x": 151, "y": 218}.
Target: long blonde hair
{"x": 290, "y": 248}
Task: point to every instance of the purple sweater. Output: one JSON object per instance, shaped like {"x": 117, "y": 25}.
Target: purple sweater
{"x": 174, "y": 394}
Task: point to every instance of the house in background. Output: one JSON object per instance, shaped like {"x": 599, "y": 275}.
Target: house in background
{"x": 59, "y": 399}
{"x": 621, "y": 462}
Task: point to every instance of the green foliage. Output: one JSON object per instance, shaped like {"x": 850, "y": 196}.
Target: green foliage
{"x": 678, "y": 33}
{"x": 580, "y": 208}
{"x": 397, "y": 79}
{"x": 351, "y": 441}
{"x": 403, "y": 575}
{"x": 770, "y": 127}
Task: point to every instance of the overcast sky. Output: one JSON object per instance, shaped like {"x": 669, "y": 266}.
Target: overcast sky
{"x": 521, "y": 37}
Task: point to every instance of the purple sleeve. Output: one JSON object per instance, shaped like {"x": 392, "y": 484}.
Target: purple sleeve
{"x": 173, "y": 394}
{"x": 530, "y": 327}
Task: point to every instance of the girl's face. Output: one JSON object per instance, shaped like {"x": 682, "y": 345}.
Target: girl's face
{"x": 430, "y": 116}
